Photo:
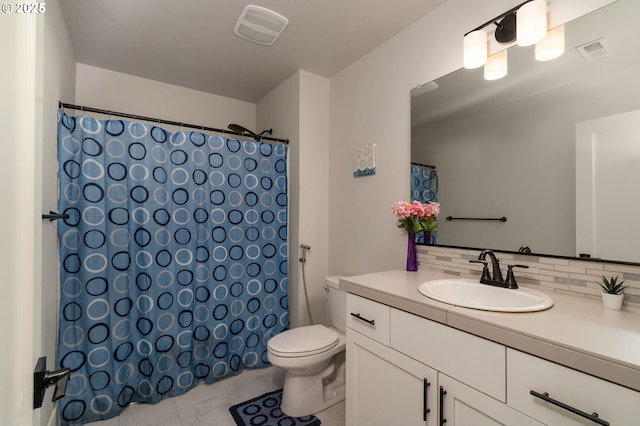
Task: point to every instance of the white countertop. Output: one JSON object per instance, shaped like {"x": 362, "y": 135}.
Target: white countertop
{"x": 576, "y": 332}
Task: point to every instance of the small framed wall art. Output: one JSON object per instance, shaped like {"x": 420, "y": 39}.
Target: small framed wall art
{"x": 364, "y": 161}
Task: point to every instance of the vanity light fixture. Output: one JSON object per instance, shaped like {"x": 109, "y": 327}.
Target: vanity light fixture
{"x": 525, "y": 24}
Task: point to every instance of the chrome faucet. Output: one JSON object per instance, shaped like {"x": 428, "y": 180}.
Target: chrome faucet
{"x": 495, "y": 278}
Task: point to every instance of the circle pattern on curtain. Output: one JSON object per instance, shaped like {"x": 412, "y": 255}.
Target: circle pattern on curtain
{"x": 173, "y": 260}
{"x": 424, "y": 188}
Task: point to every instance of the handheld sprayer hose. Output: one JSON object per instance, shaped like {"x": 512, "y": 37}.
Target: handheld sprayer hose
{"x": 303, "y": 260}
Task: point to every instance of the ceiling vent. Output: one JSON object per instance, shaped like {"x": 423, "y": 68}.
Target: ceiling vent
{"x": 260, "y": 25}
{"x": 595, "y": 49}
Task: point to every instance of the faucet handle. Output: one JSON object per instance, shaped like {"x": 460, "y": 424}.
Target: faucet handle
{"x": 485, "y": 270}
{"x": 511, "y": 279}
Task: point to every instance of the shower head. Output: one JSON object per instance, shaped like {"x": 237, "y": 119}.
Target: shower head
{"x": 240, "y": 129}
{"x": 244, "y": 131}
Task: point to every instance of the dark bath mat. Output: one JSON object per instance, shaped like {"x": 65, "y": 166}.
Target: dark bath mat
{"x": 265, "y": 410}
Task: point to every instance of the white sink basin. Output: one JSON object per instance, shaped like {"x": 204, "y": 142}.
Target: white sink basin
{"x": 471, "y": 294}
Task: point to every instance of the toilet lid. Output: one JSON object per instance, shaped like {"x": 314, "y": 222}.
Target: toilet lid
{"x": 303, "y": 341}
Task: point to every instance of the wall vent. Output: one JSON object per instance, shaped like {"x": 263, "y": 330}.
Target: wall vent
{"x": 260, "y": 25}
{"x": 424, "y": 88}
{"x": 594, "y": 50}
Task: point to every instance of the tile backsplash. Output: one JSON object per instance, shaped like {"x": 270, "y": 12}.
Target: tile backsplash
{"x": 569, "y": 276}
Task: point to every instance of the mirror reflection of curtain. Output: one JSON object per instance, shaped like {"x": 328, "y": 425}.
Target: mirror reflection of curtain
{"x": 424, "y": 188}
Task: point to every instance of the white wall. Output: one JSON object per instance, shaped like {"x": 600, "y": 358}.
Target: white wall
{"x": 59, "y": 71}
{"x": 278, "y": 110}
{"x": 110, "y": 90}
{"x": 20, "y": 108}
{"x": 313, "y": 215}
{"x": 370, "y": 104}
{"x": 298, "y": 109}
{"x": 42, "y": 71}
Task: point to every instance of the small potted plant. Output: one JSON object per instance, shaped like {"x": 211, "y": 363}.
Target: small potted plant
{"x": 612, "y": 292}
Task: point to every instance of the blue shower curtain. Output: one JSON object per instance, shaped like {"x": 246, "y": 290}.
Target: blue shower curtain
{"x": 173, "y": 261}
{"x": 424, "y": 188}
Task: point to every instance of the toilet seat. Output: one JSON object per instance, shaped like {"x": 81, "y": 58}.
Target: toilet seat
{"x": 303, "y": 341}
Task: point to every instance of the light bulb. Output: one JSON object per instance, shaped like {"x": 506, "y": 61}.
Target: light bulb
{"x": 496, "y": 66}
{"x": 475, "y": 49}
{"x": 551, "y": 46}
{"x": 531, "y": 22}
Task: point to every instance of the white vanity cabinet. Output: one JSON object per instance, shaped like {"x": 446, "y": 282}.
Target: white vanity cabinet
{"x": 400, "y": 365}
{"x": 384, "y": 387}
{"x": 471, "y": 371}
{"x": 395, "y": 362}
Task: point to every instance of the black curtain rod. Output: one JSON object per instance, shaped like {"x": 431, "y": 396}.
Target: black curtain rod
{"x": 161, "y": 121}
{"x": 424, "y": 165}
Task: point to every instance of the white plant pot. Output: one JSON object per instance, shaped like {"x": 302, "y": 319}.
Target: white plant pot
{"x": 612, "y": 301}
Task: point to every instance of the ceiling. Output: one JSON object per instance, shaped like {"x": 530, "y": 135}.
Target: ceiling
{"x": 190, "y": 43}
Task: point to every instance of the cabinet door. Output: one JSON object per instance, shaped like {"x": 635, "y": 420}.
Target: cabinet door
{"x": 465, "y": 406}
{"x": 385, "y": 387}
{"x": 470, "y": 359}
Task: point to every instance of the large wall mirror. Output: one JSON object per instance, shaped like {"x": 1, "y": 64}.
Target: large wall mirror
{"x": 553, "y": 147}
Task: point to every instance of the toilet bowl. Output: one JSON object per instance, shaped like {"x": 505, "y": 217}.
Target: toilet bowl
{"x": 313, "y": 359}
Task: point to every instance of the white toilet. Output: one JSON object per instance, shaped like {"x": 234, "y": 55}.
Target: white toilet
{"x": 313, "y": 359}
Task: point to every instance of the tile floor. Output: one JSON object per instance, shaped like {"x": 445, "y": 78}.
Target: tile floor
{"x": 208, "y": 405}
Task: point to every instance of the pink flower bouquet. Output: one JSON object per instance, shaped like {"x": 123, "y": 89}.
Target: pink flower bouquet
{"x": 416, "y": 216}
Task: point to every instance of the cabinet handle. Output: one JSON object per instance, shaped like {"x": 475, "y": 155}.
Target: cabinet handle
{"x": 593, "y": 417}
{"x": 442, "y": 420}
{"x": 425, "y": 407}
{"x": 368, "y": 321}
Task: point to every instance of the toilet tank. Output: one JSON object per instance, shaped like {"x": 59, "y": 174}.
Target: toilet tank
{"x": 337, "y": 304}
